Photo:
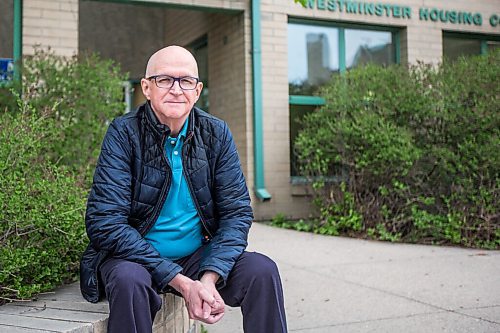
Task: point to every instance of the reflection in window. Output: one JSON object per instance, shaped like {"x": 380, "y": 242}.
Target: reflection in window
{"x": 453, "y": 47}
{"x": 313, "y": 57}
{"x": 365, "y": 46}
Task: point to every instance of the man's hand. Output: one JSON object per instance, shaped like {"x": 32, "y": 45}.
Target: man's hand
{"x": 201, "y": 302}
{"x": 209, "y": 279}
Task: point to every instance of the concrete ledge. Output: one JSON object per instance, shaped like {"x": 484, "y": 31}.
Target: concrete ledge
{"x": 65, "y": 310}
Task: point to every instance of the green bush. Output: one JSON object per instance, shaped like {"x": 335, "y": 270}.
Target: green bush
{"x": 48, "y": 151}
{"x": 86, "y": 93}
{"x": 42, "y": 233}
{"x": 412, "y": 152}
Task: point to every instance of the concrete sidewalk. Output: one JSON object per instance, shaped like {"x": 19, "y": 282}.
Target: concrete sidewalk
{"x": 335, "y": 284}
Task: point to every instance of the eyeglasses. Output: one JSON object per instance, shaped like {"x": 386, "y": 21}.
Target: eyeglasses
{"x": 167, "y": 81}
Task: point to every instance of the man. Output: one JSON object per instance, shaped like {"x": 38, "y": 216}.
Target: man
{"x": 169, "y": 211}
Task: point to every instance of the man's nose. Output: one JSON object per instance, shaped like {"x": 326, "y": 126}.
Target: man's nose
{"x": 176, "y": 88}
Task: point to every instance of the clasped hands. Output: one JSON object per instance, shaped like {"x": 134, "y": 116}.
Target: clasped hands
{"x": 203, "y": 301}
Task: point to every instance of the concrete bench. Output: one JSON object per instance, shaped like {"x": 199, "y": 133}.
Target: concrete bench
{"x": 65, "y": 310}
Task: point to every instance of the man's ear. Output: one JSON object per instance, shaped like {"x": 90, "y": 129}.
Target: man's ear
{"x": 199, "y": 88}
{"x": 145, "y": 88}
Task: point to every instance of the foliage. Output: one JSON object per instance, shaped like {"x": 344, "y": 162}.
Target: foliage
{"x": 86, "y": 93}
{"x": 302, "y": 2}
{"x": 414, "y": 152}
{"x": 48, "y": 149}
{"x": 41, "y": 209}
{"x": 280, "y": 220}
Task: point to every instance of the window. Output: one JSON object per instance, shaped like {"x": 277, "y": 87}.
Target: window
{"x": 199, "y": 48}
{"x": 456, "y": 45}
{"x": 318, "y": 51}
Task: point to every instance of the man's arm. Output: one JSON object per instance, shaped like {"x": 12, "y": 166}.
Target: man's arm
{"x": 109, "y": 206}
{"x": 232, "y": 202}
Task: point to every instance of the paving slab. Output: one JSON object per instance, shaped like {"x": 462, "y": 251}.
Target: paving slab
{"x": 9, "y": 320}
{"x": 435, "y": 322}
{"x": 11, "y": 329}
{"x": 337, "y": 284}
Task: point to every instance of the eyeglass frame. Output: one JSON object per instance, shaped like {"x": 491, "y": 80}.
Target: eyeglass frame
{"x": 176, "y": 79}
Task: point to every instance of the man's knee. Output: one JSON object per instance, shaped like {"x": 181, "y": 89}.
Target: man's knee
{"x": 260, "y": 266}
{"x": 126, "y": 277}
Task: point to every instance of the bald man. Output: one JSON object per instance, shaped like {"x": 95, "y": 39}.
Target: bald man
{"x": 169, "y": 211}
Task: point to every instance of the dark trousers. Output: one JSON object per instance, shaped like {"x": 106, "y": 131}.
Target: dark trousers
{"x": 254, "y": 285}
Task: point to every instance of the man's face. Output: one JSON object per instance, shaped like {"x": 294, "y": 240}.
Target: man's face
{"x": 172, "y": 106}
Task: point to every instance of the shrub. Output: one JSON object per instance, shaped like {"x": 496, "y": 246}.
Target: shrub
{"x": 414, "y": 152}
{"x": 48, "y": 151}
{"x": 86, "y": 93}
{"x": 41, "y": 209}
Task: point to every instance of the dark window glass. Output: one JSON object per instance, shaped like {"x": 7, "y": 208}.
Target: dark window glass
{"x": 492, "y": 45}
{"x": 454, "y": 47}
{"x": 200, "y": 52}
{"x": 6, "y": 28}
{"x": 297, "y": 113}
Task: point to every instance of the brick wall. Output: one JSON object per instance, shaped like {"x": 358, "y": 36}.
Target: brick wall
{"x": 51, "y": 23}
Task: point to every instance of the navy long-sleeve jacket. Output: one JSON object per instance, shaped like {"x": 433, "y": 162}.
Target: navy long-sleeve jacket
{"x": 131, "y": 182}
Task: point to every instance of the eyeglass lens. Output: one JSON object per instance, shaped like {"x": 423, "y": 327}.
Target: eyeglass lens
{"x": 186, "y": 82}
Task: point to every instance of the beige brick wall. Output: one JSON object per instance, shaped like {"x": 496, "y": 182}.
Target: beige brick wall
{"x": 51, "y": 23}
{"x": 276, "y": 117}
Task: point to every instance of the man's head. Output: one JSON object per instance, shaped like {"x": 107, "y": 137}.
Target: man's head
{"x": 172, "y": 65}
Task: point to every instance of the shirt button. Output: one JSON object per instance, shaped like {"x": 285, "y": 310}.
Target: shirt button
{"x": 172, "y": 142}
{"x": 176, "y": 152}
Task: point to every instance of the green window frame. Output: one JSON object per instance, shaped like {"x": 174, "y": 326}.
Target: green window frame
{"x": 311, "y": 101}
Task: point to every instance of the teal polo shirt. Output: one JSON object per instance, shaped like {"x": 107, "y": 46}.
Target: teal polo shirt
{"x": 177, "y": 231}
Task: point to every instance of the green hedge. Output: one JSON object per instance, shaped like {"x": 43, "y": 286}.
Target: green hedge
{"x": 49, "y": 141}
{"x": 408, "y": 154}
{"x": 42, "y": 232}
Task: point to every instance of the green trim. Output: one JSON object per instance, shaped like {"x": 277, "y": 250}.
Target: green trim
{"x": 397, "y": 46}
{"x": 484, "y": 47}
{"x": 306, "y": 100}
{"x": 18, "y": 38}
{"x": 173, "y": 6}
{"x": 342, "y": 65}
{"x": 258, "y": 142}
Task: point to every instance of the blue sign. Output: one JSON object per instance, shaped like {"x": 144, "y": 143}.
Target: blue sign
{"x": 6, "y": 69}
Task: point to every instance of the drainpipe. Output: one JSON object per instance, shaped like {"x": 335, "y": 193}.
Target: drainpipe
{"x": 18, "y": 38}
{"x": 258, "y": 145}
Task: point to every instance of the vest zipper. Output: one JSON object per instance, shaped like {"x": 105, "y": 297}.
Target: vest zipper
{"x": 164, "y": 191}
{"x": 191, "y": 192}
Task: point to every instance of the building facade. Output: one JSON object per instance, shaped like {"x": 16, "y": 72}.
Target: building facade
{"x": 261, "y": 61}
